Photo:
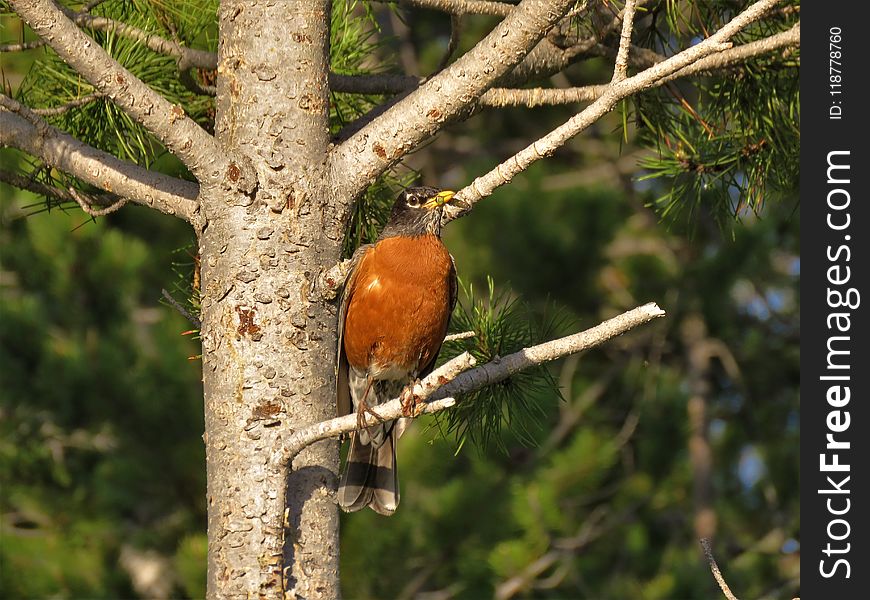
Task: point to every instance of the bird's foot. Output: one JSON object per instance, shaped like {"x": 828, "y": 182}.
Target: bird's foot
{"x": 361, "y": 415}
{"x": 412, "y": 404}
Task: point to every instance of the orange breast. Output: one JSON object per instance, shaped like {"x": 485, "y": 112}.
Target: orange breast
{"x": 399, "y": 306}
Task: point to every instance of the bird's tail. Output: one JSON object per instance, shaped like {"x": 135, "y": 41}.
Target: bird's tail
{"x": 370, "y": 476}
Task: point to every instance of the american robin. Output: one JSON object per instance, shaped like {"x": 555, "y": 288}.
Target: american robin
{"x": 394, "y": 314}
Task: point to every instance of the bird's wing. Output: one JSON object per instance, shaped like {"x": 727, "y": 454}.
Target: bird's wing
{"x": 343, "y": 401}
{"x": 454, "y": 288}
{"x": 454, "y": 294}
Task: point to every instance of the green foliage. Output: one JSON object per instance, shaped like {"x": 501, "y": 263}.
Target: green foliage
{"x": 729, "y": 140}
{"x": 51, "y": 82}
{"x": 352, "y": 42}
{"x": 501, "y": 326}
{"x": 93, "y": 379}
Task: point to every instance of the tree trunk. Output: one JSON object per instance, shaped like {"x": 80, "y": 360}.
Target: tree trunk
{"x": 268, "y": 345}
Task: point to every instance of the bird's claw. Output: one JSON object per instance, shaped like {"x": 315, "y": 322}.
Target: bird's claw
{"x": 412, "y": 405}
{"x": 361, "y": 415}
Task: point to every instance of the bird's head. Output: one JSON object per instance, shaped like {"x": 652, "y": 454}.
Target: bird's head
{"x": 417, "y": 211}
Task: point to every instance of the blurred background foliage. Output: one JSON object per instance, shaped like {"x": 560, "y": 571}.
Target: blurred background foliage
{"x": 687, "y": 427}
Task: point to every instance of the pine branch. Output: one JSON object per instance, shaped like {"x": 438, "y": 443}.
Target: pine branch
{"x": 617, "y": 91}
{"x": 20, "y": 128}
{"x": 440, "y": 388}
{"x": 181, "y": 135}
{"x": 25, "y": 183}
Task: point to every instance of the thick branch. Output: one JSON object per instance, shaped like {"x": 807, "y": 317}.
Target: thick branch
{"x": 62, "y": 151}
{"x": 442, "y": 385}
{"x": 617, "y": 91}
{"x": 180, "y": 134}
{"x": 442, "y": 99}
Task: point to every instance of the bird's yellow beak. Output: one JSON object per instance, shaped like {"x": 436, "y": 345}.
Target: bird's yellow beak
{"x": 439, "y": 199}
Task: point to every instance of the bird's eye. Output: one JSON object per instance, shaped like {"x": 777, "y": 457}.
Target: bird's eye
{"x": 413, "y": 201}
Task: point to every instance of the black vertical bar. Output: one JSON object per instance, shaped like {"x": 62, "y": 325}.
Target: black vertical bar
{"x": 835, "y": 369}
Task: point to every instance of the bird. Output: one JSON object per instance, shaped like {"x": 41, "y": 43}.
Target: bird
{"x": 393, "y": 317}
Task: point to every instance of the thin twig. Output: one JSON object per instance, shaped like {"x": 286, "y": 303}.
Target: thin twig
{"x": 182, "y": 311}
{"x": 440, "y": 387}
{"x": 548, "y": 58}
{"x": 52, "y": 111}
{"x": 26, "y": 183}
{"x": 88, "y": 207}
{"x": 21, "y": 46}
{"x": 187, "y": 57}
{"x": 459, "y": 336}
{"x": 453, "y": 44}
{"x": 714, "y": 568}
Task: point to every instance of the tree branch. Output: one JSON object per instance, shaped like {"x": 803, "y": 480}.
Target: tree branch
{"x": 181, "y": 135}
{"x": 59, "y": 110}
{"x": 60, "y": 150}
{"x": 21, "y": 46}
{"x": 620, "y": 69}
{"x": 87, "y": 204}
{"x": 188, "y": 58}
{"x": 547, "y": 58}
{"x": 444, "y": 97}
{"x": 441, "y": 386}
{"x": 463, "y": 7}
{"x": 25, "y": 183}
{"x": 655, "y": 75}
{"x": 533, "y": 97}
{"x": 714, "y": 568}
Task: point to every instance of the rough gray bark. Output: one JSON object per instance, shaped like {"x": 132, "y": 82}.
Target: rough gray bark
{"x": 268, "y": 347}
